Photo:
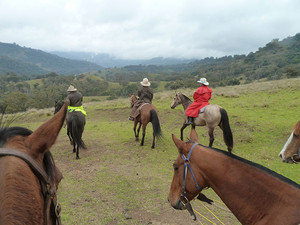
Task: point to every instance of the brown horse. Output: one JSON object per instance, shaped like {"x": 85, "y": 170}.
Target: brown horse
{"x": 290, "y": 152}
{"x": 148, "y": 113}
{"x": 28, "y": 175}
{"x": 75, "y": 126}
{"x": 212, "y": 117}
{"x": 253, "y": 193}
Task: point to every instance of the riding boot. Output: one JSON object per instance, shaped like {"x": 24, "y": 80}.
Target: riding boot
{"x": 189, "y": 120}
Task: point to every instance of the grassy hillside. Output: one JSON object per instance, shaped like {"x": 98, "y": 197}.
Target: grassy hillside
{"x": 117, "y": 181}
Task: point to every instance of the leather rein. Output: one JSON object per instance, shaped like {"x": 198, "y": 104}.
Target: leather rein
{"x": 48, "y": 190}
{"x": 187, "y": 166}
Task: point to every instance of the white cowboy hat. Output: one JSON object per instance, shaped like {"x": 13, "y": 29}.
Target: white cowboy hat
{"x": 145, "y": 82}
{"x": 71, "y": 88}
{"x": 203, "y": 81}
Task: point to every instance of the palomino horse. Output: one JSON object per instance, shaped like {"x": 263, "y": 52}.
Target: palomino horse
{"x": 28, "y": 175}
{"x": 75, "y": 127}
{"x": 148, "y": 113}
{"x": 253, "y": 193}
{"x": 290, "y": 152}
{"x": 212, "y": 116}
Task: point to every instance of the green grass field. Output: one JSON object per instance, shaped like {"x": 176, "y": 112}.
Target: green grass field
{"x": 117, "y": 181}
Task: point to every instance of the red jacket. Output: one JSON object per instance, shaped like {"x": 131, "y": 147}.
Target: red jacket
{"x": 201, "y": 97}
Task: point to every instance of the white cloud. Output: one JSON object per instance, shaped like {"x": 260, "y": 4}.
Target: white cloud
{"x": 148, "y": 28}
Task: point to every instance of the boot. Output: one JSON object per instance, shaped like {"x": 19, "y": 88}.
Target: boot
{"x": 189, "y": 120}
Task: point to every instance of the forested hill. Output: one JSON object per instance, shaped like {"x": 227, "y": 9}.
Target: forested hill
{"x": 276, "y": 60}
{"x": 30, "y": 62}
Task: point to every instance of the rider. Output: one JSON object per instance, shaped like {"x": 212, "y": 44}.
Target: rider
{"x": 145, "y": 95}
{"x": 201, "y": 96}
{"x": 75, "y": 98}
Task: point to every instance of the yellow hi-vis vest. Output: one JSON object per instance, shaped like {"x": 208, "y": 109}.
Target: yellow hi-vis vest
{"x": 77, "y": 109}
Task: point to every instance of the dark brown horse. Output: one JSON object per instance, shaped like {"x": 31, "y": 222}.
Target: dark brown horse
{"x": 28, "y": 175}
{"x": 75, "y": 127}
{"x": 290, "y": 152}
{"x": 253, "y": 193}
{"x": 148, "y": 113}
{"x": 212, "y": 117}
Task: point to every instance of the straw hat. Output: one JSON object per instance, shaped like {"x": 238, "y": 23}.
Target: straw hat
{"x": 203, "y": 81}
{"x": 145, "y": 82}
{"x": 71, "y": 88}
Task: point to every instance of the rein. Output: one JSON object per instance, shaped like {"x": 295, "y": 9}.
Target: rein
{"x": 48, "y": 190}
{"x": 187, "y": 167}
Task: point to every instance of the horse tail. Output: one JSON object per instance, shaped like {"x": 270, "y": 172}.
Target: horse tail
{"x": 77, "y": 130}
{"x": 155, "y": 123}
{"x": 227, "y": 134}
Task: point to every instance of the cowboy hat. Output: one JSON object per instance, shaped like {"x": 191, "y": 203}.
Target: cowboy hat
{"x": 203, "y": 81}
{"x": 145, "y": 82}
{"x": 71, "y": 88}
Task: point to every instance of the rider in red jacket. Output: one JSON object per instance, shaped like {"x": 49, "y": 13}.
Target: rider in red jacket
{"x": 201, "y": 97}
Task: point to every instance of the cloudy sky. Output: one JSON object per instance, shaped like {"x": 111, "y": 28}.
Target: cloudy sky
{"x": 149, "y": 28}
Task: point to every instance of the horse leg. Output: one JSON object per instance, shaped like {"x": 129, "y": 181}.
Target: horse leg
{"x": 138, "y": 131}
{"x": 181, "y": 130}
{"x": 144, "y": 133}
{"x": 134, "y": 129}
{"x": 153, "y": 142}
{"x": 211, "y": 136}
{"x": 69, "y": 135}
{"x": 74, "y": 147}
{"x": 77, "y": 152}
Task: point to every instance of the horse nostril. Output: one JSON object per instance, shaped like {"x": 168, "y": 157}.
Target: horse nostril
{"x": 280, "y": 155}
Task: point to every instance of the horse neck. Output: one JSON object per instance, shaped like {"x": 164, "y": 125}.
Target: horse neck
{"x": 185, "y": 101}
{"x": 243, "y": 187}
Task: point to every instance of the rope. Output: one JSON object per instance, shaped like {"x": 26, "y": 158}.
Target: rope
{"x": 205, "y": 218}
{"x": 213, "y": 214}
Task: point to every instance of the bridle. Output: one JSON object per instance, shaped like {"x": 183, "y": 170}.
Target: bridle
{"x": 296, "y": 155}
{"x": 186, "y": 203}
{"x": 48, "y": 189}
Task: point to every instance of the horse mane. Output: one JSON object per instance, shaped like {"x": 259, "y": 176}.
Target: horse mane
{"x": 8, "y": 132}
{"x": 256, "y": 165}
{"x": 185, "y": 97}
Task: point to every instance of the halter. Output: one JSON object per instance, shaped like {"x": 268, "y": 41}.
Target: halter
{"x": 187, "y": 166}
{"x": 48, "y": 190}
{"x": 293, "y": 157}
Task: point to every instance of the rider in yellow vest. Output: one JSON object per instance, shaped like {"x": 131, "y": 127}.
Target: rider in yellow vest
{"x": 75, "y": 98}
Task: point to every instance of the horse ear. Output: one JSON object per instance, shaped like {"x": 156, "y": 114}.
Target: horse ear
{"x": 179, "y": 144}
{"x": 194, "y": 135}
{"x": 45, "y": 136}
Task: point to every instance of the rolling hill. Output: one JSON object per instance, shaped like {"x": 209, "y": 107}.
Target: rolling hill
{"x": 30, "y": 62}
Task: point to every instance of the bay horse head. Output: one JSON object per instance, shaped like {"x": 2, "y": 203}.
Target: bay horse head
{"x": 177, "y": 101}
{"x": 290, "y": 152}
{"x": 28, "y": 176}
{"x": 133, "y": 99}
{"x": 187, "y": 181}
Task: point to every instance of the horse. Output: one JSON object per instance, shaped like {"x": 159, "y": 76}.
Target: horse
{"x": 253, "y": 193}
{"x": 29, "y": 178}
{"x": 75, "y": 126}
{"x": 212, "y": 116}
{"x": 148, "y": 113}
{"x": 290, "y": 152}
{"x": 58, "y": 105}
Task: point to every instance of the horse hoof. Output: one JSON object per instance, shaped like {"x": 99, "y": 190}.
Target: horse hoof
{"x": 77, "y": 157}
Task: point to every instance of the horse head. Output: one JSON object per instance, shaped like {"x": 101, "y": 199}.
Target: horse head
{"x": 31, "y": 172}
{"x": 290, "y": 152}
{"x": 187, "y": 181}
{"x": 133, "y": 99}
{"x": 57, "y": 106}
{"x": 177, "y": 101}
